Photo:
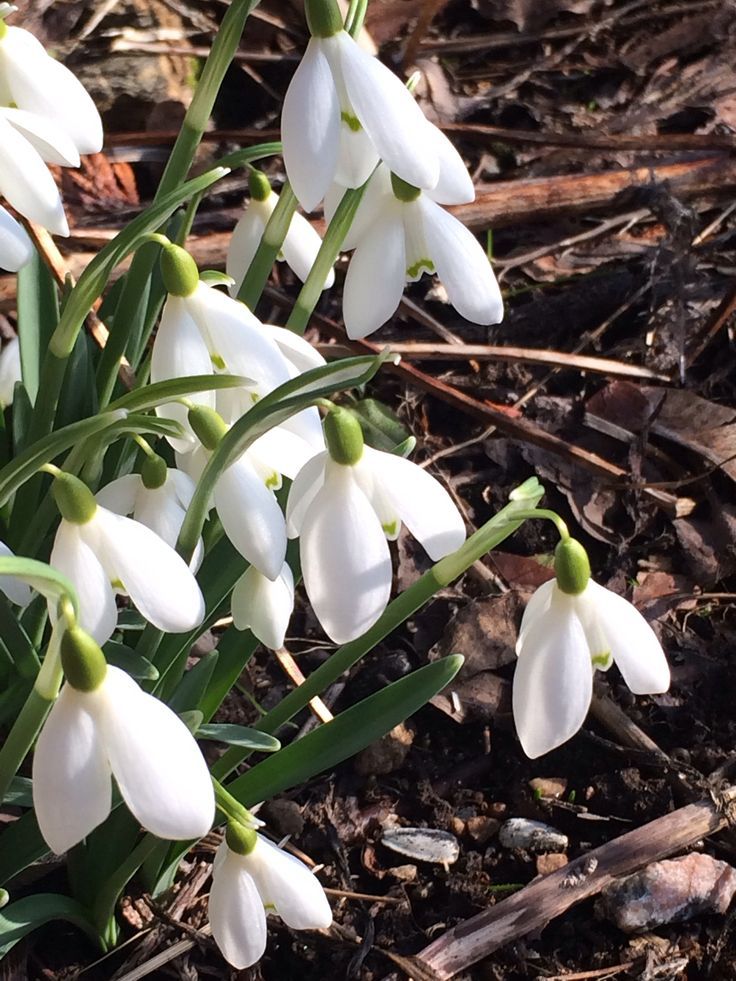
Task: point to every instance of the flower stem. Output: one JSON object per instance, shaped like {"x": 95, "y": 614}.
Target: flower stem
{"x": 105, "y": 901}
{"x": 548, "y": 515}
{"x": 274, "y": 234}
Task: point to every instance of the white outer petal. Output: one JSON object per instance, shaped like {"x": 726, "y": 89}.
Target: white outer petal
{"x": 245, "y": 240}
{"x": 300, "y": 248}
{"x": 553, "y": 681}
{"x": 455, "y": 185}
{"x": 72, "y": 788}
{"x": 310, "y": 127}
{"x": 537, "y": 607}
{"x": 264, "y": 606}
{"x": 307, "y": 484}
{"x": 159, "y": 510}
{"x": 46, "y": 87}
{"x": 345, "y": 558}
{"x": 237, "y": 916}
{"x": 357, "y": 158}
{"x": 420, "y": 501}
{"x": 374, "y": 198}
{"x": 389, "y": 114}
{"x": 158, "y": 581}
{"x": 15, "y": 589}
{"x": 26, "y": 182}
{"x": 16, "y": 248}
{"x": 287, "y": 884}
{"x": 74, "y": 553}
{"x": 49, "y": 142}
{"x": 462, "y": 265}
{"x": 282, "y": 451}
{"x": 298, "y": 352}
{"x": 251, "y": 517}
{"x": 155, "y": 760}
{"x": 634, "y": 645}
{"x": 379, "y": 258}
{"x": 120, "y": 494}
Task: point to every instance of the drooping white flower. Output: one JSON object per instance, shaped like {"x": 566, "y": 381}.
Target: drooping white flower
{"x": 344, "y": 110}
{"x": 403, "y": 233}
{"x": 299, "y": 249}
{"x": 10, "y": 371}
{"x": 345, "y": 505}
{"x": 111, "y": 728}
{"x": 15, "y": 589}
{"x": 103, "y": 553}
{"x": 158, "y": 497}
{"x": 16, "y": 247}
{"x": 243, "y": 884}
{"x": 264, "y": 606}
{"x": 565, "y": 636}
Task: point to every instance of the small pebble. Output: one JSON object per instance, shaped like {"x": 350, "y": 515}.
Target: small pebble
{"x": 481, "y": 829}
{"x": 387, "y": 754}
{"x": 550, "y": 862}
{"x": 522, "y": 834}
{"x": 423, "y": 844}
{"x": 284, "y": 817}
{"x": 549, "y": 786}
{"x": 668, "y": 892}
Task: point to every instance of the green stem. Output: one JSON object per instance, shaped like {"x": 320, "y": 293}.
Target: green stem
{"x": 106, "y": 900}
{"x": 548, "y": 515}
{"x": 231, "y": 808}
{"x": 355, "y": 17}
{"x": 329, "y": 250}
{"x": 273, "y": 238}
{"x": 441, "y": 574}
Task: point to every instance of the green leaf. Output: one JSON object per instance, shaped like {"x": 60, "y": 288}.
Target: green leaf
{"x": 381, "y": 427}
{"x": 193, "y": 685}
{"x": 124, "y": 657}
{"x": 19, "y": 793}
{"x": 24, "y": 915}
{"x": 41, "y": 577}
{"x": 21, "y": 845}
{"x": 259, "y": 742}
{"x": 38, "y": 315}
{"x": 347, "y": 734}
{"x": 161, "y": 392}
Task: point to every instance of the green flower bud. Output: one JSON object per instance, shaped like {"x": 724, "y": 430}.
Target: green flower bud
{"x": 82, "y": 659}
{"x": 572, "y": 566}
{"x": 258, "y": 185}
{"x": 209, "y": 426}
{"x": 343, "y": 436}
{"x": 240, "y": 839}
{"x": 323, "y": 17}
{"x": 179, "y": 271}
{"x": 402, "y": 191}
{"x": 75, "y": 501}
{"x": 154, "y": 472}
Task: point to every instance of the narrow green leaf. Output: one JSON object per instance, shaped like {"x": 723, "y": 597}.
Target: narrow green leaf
{"x": 41, "y": 577}
{"x": 161, "y": 392}
{"x": 21, "y": 917}
{"x": 38, "y": 315}
{"x": 193, "y": 685}
{"x": 19, "y": 793}
{"x": 124, "y": 657}
{"x": 259, "y": 742}
{"x": 347, "y": 734}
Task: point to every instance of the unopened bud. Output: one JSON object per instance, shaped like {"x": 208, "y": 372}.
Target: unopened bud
{"x": 572, "y": 567}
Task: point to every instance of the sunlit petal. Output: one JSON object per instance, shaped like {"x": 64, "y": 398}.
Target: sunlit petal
{"x": 73, "y": 556}
{"x": 237, "y": 916}
{"x": 379, "y": 257}
{"x": 264, "y": 606}
{"x": 287, "y": 884}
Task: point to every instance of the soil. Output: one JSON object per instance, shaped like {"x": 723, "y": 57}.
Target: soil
{"x": 637, "y": 454}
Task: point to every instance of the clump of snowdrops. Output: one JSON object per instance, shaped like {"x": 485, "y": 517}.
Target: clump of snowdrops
{"x": 202, "y": 464}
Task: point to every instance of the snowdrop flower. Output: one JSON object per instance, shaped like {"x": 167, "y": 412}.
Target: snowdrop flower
{"x": 46, "y": 116}
{"x": 344, "y": 110}
{"x": 16, "y": 247}
{"x": 158, "y": 497}
{"x": 248, "y": 874}
{"x": 101, "y": 726}
{"x": 103, "y": 553}
{"x": 344, "y": 504}
{"x": 10, "y": 371}
{"x": 402, "y": 234}
{"x": 15, "y": 589}
{"x": 299, "y": 249}
{"x": 263, "y": 605}
{"x": 571, "y": 627}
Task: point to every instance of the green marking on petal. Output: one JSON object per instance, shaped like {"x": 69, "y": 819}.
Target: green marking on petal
{"x": 351, "y": 121}
{"x": 602, "y": 661}
{"x": 416, "y": 268}
{"x": 254, "y": 397}
{"x": 273, "y": 481}
{"x": 117, "y": 584}
{"x": 218, "y": 362}
{"x": 390, "y": 528}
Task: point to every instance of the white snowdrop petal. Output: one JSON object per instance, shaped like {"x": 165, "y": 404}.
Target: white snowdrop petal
{"x": 72, "y": 788}
{"x": 300, "y": 354}
{"x": 537, "y": 606}
{"x": 553, "y": 681}
{"x": 634, "y": 645}
{"x": 310, "y": 127}
{"x": 304, "y": 489}
{"x": 120, "y": 494}
{"x": 455, "y": 185}
{"x": 389, "y": 114}
{"x": 158, "y": 581}
{"x": 380, "y": 257}
{"x": 46, "y": 87}
{"x": 300, "y": 248}
{"x": 420, "y": 501}
{"x": 264, "y": 606}
{"x": 251, "y": 517}
{"x": 50, "y": 143}
{"x": 26, "y": 182}
{"x": 159, "y": 510}
{"x": 357, "y": 158}
{"x": 244, "y": 243}
{"x": 73, "y": 555}
{"x": 462, "y": 265}
{"x": 155, "y": 760}
{"x": 284, "y": 451}
{"x": 372, "y": 203}
{"x": 16, "y": 248}
{"x": 345, "y": 558}
{"x": 237, "y": 916}
{"x": 15, "y": 589}
{"x": 182, "y": 485}
{"x": 287, "y": 884}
